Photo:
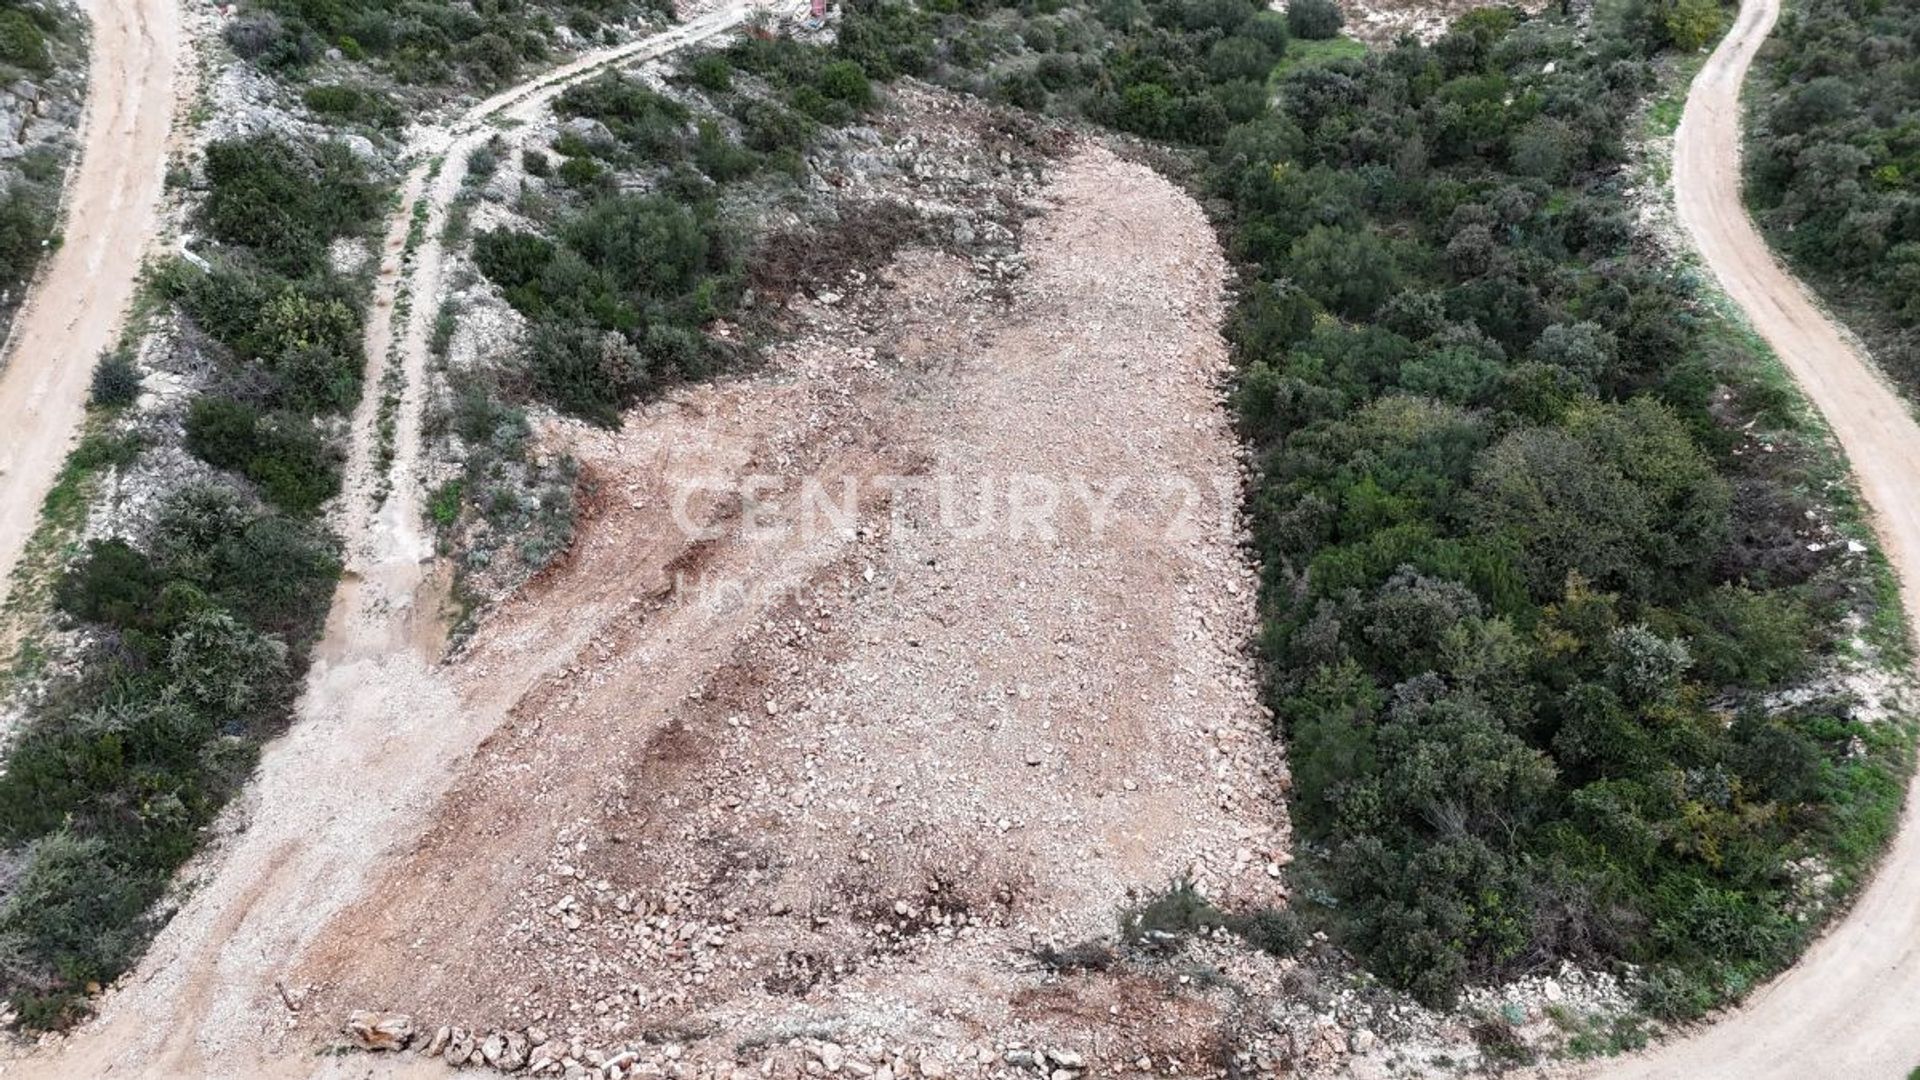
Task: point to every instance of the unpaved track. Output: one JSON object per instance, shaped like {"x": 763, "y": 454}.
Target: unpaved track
{"x": 379, "y": 731}
{"x": 389, "y": 548}
{"x": 1848, "y": 1009}
{"x": 75, "y": 310}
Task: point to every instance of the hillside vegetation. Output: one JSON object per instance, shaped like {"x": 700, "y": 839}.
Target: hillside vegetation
{"x": 197, "y": 633}
{"x": 42, "y": 61}
{"x": 1833, "y": 166}
{"x": 420, "y": 42}
{"x": 1531, "y": 573}
{"x": 1540, "y": 533}
{"x": 1543, "y": 539}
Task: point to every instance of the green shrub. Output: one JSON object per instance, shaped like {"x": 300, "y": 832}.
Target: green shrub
{"x": 1238, "y": 58}
{"x": 223, "y": 665}
{"x": 1269, "y": 28}
{"x": 583, "y": 174}
{"x": 113, "y": 584}
{"x": 26, "y": 228}
{"x": 1165, "y": 922}
{"x": 116, "y": 381}
{"x": 846, "y": 80}
{"x": 22, "y": 44}
{"x": 282, "y": 455}
{"x": 650, "y": 123}
{"x": 711, "y": 72}
{"x": 284, "y": 204}
{"x": 721, "y": 158}
{"x": 1314, "y": 20}
{"x": 74, "y": 917}
{"x": 354, "y": 104}
{"x": 1275, "y": 931}
{"x": 443, "y": 508}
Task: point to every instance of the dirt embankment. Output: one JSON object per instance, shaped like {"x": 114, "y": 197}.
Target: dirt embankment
{"x": 75, "y": 310}
{"x": 1846, "y": 1009}
{"x": 844, "y": 778}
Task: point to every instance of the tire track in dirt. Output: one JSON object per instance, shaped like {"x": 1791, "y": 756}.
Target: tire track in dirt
{"x": 387, "y": 603}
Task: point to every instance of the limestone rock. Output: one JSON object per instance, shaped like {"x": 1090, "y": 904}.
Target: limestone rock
{"x": 379, "y": 1030}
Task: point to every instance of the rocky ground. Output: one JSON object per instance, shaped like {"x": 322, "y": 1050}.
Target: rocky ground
{"x": 872, "y": 798}
{"x": 1382, "y": 22}
{"x": 849, "y": 778}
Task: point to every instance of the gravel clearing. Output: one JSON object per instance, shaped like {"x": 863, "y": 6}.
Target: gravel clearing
{"x": 855, "y": 794}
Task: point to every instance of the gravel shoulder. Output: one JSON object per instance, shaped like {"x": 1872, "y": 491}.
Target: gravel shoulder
{"x": 1846, "y": 1009}
{"x": 75, "y": 309}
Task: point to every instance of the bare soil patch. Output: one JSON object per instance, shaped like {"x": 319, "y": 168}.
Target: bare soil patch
{"x": 844, "y": 780}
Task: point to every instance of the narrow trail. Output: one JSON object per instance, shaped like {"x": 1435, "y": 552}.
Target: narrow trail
{"x": 76, "y": 308}
{"x": 387, "y": 603}
{"x": 379, "y": 731}
{"x": 1847, "y": 1008}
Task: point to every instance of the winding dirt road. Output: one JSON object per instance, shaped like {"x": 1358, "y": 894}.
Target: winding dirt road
{"x": 75, "y": 309}
{"x": 1848, "y": 1008}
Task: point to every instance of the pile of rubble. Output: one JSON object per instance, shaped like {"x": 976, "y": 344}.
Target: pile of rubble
{"x": 534, "y": 1051}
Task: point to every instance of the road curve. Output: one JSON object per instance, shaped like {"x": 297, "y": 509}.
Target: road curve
{"x": 1848, "y": 1008}
{"x": 75, "y": 309}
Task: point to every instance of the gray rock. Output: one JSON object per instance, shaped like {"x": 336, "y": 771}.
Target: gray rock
{"x": 588, "y": 130}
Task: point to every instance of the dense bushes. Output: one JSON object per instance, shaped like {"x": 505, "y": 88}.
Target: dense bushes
{"x": 1498, "y": 516}
{"x": 1833, "y": 169}
{"x": 107, "y": 790}
{"x": 23, "y": 41}
{"x": 619, "y": 287}
{"x": 283, "y": 456}
{"x": 285, "y": 203}
{"x": 1524, "y": 585}
{"x": 116, "y": 381}
{"x": 354, "y": 104}
{"x": 31, "y": 34}
{"x": 616, "y": 300}
{"x": 290, "y": 325}
{"x": 1314, "y": 19}
{"x": 418, "y": 41}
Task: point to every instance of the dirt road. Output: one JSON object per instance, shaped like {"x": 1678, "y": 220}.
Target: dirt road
{"x": 389, "y": 549}
{"x": 1847, "y": 1009}
{"x": 75, "y": 310}
{"x": 379, "y": 731}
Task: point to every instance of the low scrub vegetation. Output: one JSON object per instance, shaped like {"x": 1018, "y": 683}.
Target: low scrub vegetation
{"x": 420, "y": 42}
{"x": 617, "y": 285}
{"x": 37, "y": 39}
{"x": 197, "y": 628}
{"x": 1526, "y": 576}
{"x": 1833, "y": 165}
